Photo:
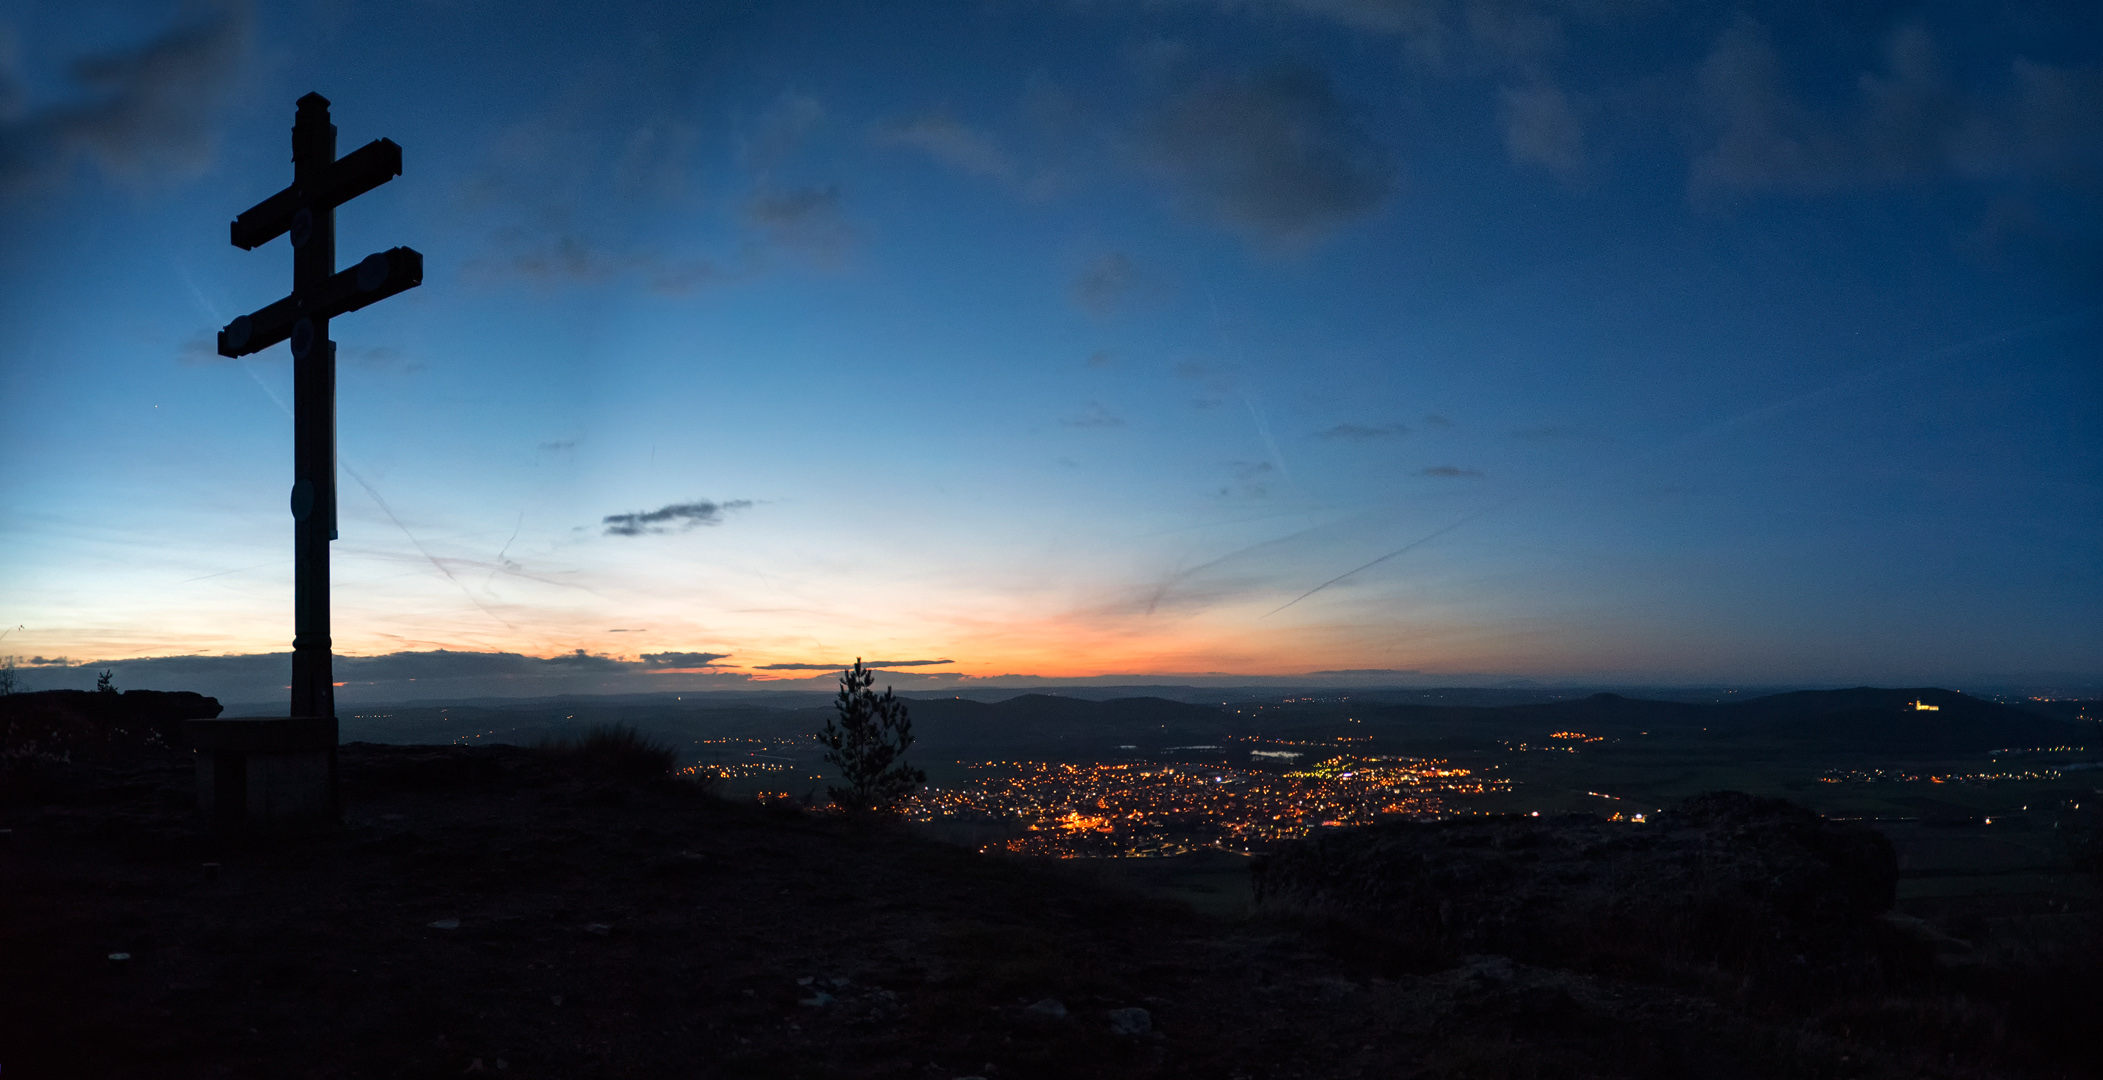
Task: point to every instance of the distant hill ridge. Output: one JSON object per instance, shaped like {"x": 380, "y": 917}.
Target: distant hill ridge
{"x": 1859, "y": 718}
{"x": 1865, "y": 718}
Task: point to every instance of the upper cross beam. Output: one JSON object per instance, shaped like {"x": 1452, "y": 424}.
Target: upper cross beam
{"x": 321, "y": 181}
{"x": 342, "y": 180}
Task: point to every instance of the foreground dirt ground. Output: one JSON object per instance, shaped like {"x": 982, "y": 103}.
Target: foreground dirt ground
{"x": 493, "y": 910}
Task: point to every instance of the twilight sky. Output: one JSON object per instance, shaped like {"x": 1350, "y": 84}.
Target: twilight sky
{"x": 1562, "y": 339}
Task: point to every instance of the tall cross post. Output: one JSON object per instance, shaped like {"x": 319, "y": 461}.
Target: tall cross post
{"x": 236, "y": 782}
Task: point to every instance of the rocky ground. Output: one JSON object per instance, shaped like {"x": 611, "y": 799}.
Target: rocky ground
{"x": 521, "y": 912}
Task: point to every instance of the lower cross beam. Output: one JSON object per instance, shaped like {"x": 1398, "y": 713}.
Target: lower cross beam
{"x": 380, "y": 276}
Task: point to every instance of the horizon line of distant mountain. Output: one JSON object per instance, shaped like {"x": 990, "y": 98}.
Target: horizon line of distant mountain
{"x": 1480, "y": 696}
{"x": 1922, "y": 720}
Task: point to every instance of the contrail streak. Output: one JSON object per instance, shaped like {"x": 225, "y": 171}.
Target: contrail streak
{"x": 500, "y": 564}
{"x": 265, "y": 387}
{"x": 1263, "y": 431}
{"x": 385, "y": 509}
{"x": 1412, "y": 545}
{"x": 1161, "y": 591}
{"x": 203, "y": 303}
{"x": 1838, "y": 389}
{"x": 242, "y": 570}
{"x": 1820, "y": 395}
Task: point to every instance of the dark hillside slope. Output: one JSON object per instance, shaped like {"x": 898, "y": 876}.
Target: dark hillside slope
{"x": 1612, "y": 714}
{"x": 501, "y": 911}
{"x": 1601, "y": 714}
{"x": 531, "y": 722}
{"x": 1867, "y": 719}
{"x": 1873, "y": 719}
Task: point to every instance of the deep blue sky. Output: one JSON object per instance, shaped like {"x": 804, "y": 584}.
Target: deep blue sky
{"x": 1723, "y": 343}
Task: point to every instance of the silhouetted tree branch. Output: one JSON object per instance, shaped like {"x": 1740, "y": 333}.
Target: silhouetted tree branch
{"x": 867, "y": 742}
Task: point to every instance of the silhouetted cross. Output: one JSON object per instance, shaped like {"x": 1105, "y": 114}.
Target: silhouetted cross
{"x": 320, "y": 182}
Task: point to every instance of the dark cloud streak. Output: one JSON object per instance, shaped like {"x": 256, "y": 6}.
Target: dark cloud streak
{"x": 1908, "y": 122}
{"x": 1362, "y": 432}
{"x": 664, "y": 660}
{"x": 1096, "y": 416}
{"x": 677, "y": 517}
{"x": 1274, "y": 155}
{"x": 843, "y": 667}
{"x": 952, "y": 143}
{"x": 144, "y": 112}
{"x": 1104, "y": 282}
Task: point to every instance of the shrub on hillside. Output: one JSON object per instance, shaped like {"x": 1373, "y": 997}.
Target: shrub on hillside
{"x": 867, "y": 742}
{"x": 2080, "y": 829}
{"x": 614, "y": 751}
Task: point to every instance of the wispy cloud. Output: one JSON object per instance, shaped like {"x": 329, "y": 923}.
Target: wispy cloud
{"x": 561, "y": 184}
{"x": 1362, "y": 432}
{"x": 1910, "y": 121}
{"x": 806, "y": 666}
{"x": 559, "y": 254}
{"x": 252, "y": 677}
{"x": 199, "y": 351}
{"x": 806, "y": 218}
{"x": 1217, "y": 382}
{"x": 1542, "y": 127}
{"x": 677, "y": 517}
{"x": 1104, "y": 282}
{"x": 1250, "y": 479}
{"x": 1095, "y": 416}
{"x": 1452, "y": 35}
{"x": 681, "y": 659}
{"x": 779, "y": 131}
{"x": 142, "y": 113}
{"x": 1275, "y": 155}
{"x": 951, "y": 143}
{"x": 1451, "y": 471}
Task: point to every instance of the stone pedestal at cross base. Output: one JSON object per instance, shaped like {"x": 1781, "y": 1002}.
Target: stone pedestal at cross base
{"x": 266, "y": 773}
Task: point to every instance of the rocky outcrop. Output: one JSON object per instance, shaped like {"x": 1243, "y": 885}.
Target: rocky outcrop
{"x": 1725, "y": 878}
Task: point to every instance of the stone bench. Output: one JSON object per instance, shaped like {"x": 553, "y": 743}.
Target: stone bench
{"x": 265, "y": 772}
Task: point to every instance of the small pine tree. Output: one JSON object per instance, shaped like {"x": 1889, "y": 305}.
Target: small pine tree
{"x": 867, "y": 743}
{"x": 104, "y": 684}
{"x": 9, "y": 678}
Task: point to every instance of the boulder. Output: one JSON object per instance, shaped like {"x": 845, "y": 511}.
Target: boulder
{"x": 1133, "y": 1021}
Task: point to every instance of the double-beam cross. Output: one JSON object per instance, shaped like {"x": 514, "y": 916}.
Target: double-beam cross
{"x": 321, "y": 181}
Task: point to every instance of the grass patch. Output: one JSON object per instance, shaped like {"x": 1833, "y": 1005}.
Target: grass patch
{"x": 614, "y": 752}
